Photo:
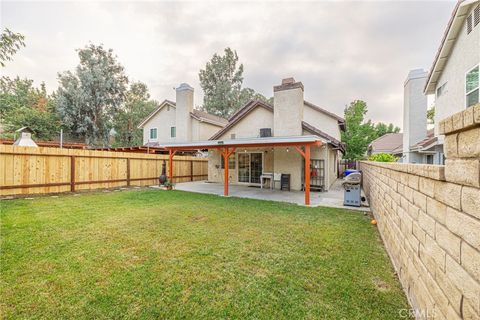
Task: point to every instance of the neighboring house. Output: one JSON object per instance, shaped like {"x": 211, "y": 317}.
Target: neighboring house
{"x": 453, "y": 78}
{"x": 179, "y": 121}
{"x": 289, "y": 117}
{"x": 454, "y": 75}
{"x": 390, "y": 143}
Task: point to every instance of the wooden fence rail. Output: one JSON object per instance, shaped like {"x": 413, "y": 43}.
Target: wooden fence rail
{"x": 26, "y": 170}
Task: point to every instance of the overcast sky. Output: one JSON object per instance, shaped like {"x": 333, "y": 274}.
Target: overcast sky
{"x": 341, "y": 51}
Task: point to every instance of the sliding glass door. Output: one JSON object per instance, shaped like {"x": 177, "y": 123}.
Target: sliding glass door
{"x": 250, "y": 167}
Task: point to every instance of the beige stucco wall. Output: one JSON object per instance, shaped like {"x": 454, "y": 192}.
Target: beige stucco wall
{"x": 166, "y": 118}
{"x": 288, "y": 112}
{"x": 278, "y": 161}
{"x": 206, "y": 130}
{"x": 249, "y": 127}
{"x": 163, "y": 120}
{"x": 464, "y": 56}
{"x": 321, "y": 121}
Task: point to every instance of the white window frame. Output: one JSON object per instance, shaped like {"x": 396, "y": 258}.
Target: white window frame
{"x": 175, "y": 130}
{"x": 150, "y": 133}
{"x": 465, "y": 83}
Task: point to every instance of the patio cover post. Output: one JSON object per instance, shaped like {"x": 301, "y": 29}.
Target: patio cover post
{"x": 171, "y": 153}
{"x": 226, "y": 154}
{"x": 306, "y": 155}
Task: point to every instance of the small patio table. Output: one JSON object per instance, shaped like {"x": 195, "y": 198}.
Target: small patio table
{"x": 266, "y": 175}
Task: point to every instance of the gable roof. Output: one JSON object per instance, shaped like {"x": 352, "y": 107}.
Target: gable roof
{"x": 240, "y": 114}
{"x": 154, "y": 112}
{"x": 196, "y": 114}
{"x": 207, "y": 117}
{"x": 252, "y": 104}
{"x": 340, "y": 120}
{"x": 331, "y": 140}
{"x": 454, "y": 27}
{"x": 388, "y": 143}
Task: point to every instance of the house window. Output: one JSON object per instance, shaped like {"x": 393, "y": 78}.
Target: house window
{"x": 231, "y": 162}
{"x": 472, "y": 81}
{"x": 173, "y": 132}
{"x": 441, "y": 90}
{"x": 429, "y": 159}
{"x": 153, "y": 133}
{"x": 233, "y": 136}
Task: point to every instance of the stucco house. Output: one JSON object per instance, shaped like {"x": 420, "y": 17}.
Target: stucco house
{"x": 453, "y": 79}
{"x": 289, "y": 116}
{"x": 454, "y": 75}
{"x": 390, "y": 143}
{"x": 178, "y": 121}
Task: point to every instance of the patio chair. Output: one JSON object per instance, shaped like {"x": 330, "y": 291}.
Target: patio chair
{"x": 277, "y": 177}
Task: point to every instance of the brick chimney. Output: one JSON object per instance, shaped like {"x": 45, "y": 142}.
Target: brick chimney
{"x": 414, "y": 112}
{"x": 288, "y": 108}
{"x": 184, "y": 106}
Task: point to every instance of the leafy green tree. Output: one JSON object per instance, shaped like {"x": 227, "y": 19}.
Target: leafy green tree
{"x": 21, "y": 104}
{"x": 382, "y": 129}
{"x": 10, "y": 43}
{"x": 221, "y": 81}
{"x": 358, "y": 133}
{"x": 88, "y": 98}
{"x": 247, "y": 94}
{"x": 431, "y": 115}
{"x": 137, "y": 106}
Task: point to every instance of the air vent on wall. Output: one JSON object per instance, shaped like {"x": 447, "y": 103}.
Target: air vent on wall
{"x": 476, "y": 16}
{"x": 265, "y": 132}
{"x": 469, "y": 24}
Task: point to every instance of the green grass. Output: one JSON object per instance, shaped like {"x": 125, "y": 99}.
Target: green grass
{"x": 152, "y": 254}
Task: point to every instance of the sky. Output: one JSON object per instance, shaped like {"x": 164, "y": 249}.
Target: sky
{"x": 341, "y": 51}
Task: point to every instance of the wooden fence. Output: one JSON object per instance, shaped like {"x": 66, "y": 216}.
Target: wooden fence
{"x": 27, "y": 170}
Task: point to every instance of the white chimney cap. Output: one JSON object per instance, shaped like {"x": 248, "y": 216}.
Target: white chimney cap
{"x": 184, "y": 86}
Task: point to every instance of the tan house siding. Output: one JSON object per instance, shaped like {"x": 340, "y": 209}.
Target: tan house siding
{"x": 321, "y": 121}
{"x": 249, "y": 127}
{"x": 163, "y": 120}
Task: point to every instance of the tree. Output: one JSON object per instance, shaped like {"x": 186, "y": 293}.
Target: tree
{"x": 88, "y": 98}
{"x": 431, "y": 115}
{"x": 247, "y": 94}
{"x": 382, "y": 129}
{"x": 21, "y": 104}
{"x": 10, "y": 43}
{"x": 221, "y": 81}
{"x": 358, "y": 134}
{"x": 137, "y": 106}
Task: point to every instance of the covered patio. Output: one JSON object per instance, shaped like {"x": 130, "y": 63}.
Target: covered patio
{"x": 301, "y": 144}
{"x": 333, "y": 198}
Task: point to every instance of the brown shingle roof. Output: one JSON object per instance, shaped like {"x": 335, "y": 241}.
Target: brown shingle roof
{"x": 240, "y": 114}
{"x": 197, "y": 114}
{"x": 387, "y": 143}
{"x": 321, "y": 134}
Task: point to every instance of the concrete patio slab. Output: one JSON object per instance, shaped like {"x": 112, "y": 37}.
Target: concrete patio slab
{"x": 333, "y": 198}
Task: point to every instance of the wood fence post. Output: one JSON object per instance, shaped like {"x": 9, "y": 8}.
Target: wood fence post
{"x": 72, "y": 173}
{"x": 191, "y": 170}
{"x": 128, "y": 172}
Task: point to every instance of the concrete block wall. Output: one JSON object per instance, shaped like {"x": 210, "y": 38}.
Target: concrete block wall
{"x": 429, "y": 219}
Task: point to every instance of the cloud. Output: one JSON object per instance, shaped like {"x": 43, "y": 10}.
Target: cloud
{"x": 341, "y": 51}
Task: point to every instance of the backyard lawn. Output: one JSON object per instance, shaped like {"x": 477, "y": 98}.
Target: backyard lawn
{"x": 169, "y": 254}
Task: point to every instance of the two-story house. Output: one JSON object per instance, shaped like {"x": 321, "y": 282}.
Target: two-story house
{"x": 290, "y": 116}
{"x": 178, "y": 121}
{"x": 454, "y": 76}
